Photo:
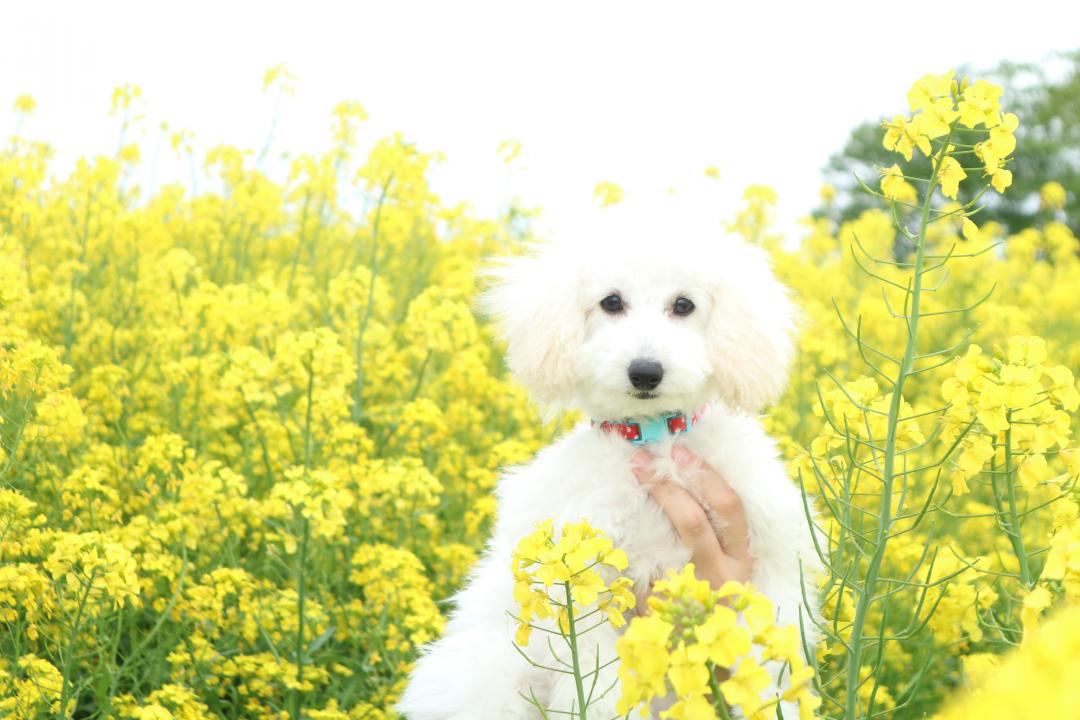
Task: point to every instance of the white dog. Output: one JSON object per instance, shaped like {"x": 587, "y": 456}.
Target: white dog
{"x": 627, "y": 328}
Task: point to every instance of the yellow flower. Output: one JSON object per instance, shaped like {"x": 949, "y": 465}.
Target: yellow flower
{"x": 1001, "y": 179}
{"x": 683, "y": 584}
{"x": 745, "y": 686}
{"x": 1032, "y": 470}
{"x": 895, "y": 187}
{"x": 1052, "y": 196}
{"x": 25, "y": 104}
{"x": 903, "y": 136}
{"x": 1000, "y": 143}
{"x": 722, "y": 638}
{"x": 34, "y": 691}
{"x": 1034, "y": 682}
{"x": 695, "y": 707}
{"x": 977, "y": 451}
{"x": 572, "y": 561}
{"x": 980, "y": 104}
{"x": 692, "y": 630}
{"x": 687, "y": 670}
{"x": 949, "y": 175}
{"x": 620, "y": 600}
{"x": 124, "y": 96}
{"x": 928, "y": 89}
{"x": 644, "y": 660}
{"x": 978, "y": 667}
{"x": 1035, "y": 602}
{"x": 608, "y": 193}
{"x": 970, "y": 229}
{"x": 1063, "y": 387}
{"x": 1026, "y": 350}
{"x": 936, "y": 118}
{"x": 279, "y": 76}
{"x": 757, "y": 610}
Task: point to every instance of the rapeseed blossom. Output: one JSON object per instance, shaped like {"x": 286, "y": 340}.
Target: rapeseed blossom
{"x": 895, "y": 187}
{"x": 690, "y": 632}
{"x": 1035, "y": 682}
{"x": 939, "y": 103}
{"x": 247, "y": 433}
{"x": 1017, "y": 394}
{"x": 1052, "y": 195}
{"x": 575, "y": 562}
{"x": 250, "y": 431}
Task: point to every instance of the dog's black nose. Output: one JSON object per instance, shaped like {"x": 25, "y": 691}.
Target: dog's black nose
{"x": 646, "y": 374}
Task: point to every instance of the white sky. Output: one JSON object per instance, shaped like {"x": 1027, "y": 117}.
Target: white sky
{"x": 643, "y": 94}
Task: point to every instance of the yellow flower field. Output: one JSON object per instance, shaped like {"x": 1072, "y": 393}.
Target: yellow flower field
{"x": 248, "y": 434}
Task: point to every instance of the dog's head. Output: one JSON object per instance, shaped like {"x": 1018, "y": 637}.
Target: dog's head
{"x": 623, "y": 327}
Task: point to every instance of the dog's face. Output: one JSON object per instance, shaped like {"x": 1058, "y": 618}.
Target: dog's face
{"x": 644, "y": 347}
{"x": 623, "y": 329}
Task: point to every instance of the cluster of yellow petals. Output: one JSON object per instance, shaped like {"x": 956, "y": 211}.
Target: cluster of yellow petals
{"x": 690, "y": 631}
{"x": 608, "y": 193}
{"x": 856, "y": 409}
{"x": 1063, "y": 558}
{"x": 1037, "y": 681}
{"x": 575, "y": 562}
{"x": 1018, "y": 393}
{"x": 938, "y": 104}
{"x": 33, "y": 689}
{"x": 991, "y": 561}
{"x": 895, "y": 187}
{"x": 1052, "y": 195}
{"x": 257, "y": 414}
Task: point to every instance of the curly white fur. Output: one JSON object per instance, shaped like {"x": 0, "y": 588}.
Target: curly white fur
{"x": 731, "y": 353}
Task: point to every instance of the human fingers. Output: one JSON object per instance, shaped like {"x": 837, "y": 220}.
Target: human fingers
{"x": 722, "y": 500}
{"x": 686, "y": 514}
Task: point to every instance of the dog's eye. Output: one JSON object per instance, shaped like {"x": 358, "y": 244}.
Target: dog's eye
{"x": 682, "y": 306}
{"x": 612, "y": 304}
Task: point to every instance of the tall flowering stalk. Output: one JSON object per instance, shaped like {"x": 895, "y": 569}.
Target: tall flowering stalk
{"x": 561, "y": 579}
{"x": 675, "y": 654}
{"x": 869, "y": 466}
{"x": 1015, "y": 410}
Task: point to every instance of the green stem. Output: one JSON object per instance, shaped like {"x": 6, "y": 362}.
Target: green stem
{"x": 301, "y": 563}
{"x": 307, "y": 414}
{"x": 301, "y": 558}
{"x": 571, "y": 640}
{"x": 301, "y": 238}
{"x": 718, "y": 697}
{"x": 907, "y": 365}
{"x": 13, "y": 449}
{"x": 373, "y": 270}
{"x": 1014, "y": 519}
{"x": 69, "y": 650}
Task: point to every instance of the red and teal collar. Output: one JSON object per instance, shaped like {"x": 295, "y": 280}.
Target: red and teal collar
{"x": 650, "y": 429}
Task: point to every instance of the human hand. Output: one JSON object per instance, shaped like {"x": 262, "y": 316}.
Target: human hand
{"x": 717, "y": 556}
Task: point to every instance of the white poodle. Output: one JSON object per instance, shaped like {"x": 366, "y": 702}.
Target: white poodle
{"x": 627, "y": 327}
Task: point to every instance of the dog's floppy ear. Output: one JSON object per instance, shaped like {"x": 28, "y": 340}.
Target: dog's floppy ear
{"x": 751, "y": 329}
{"x": 534, "y": 302}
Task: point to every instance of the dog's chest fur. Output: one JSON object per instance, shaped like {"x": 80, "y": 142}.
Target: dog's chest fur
{"x": 586, "y": 475}
{"x": 474, "y": 672}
